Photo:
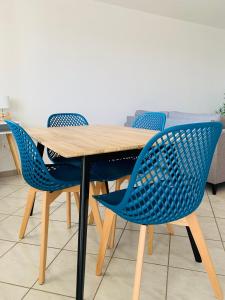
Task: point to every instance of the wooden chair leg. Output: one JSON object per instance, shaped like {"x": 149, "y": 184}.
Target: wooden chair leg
{"x": 206, "y": 259}
{"x": 77, "y": 200}
{"x": 103, "y": 188}
{"x": 139, "y": 263}
{"x": 150, "y": 239}
{"x": 170, "y": 229}
{"x": 107, "y": 225}
{"x": 95, "y": 190}
{"x": 113, "y": 232}
{"x": 91, "y": 218}
{"x": 44, "y": 237}
{"x": 29, "y": 206}
{"x": 68, "y": 209}
{"x": 95, "y": 213}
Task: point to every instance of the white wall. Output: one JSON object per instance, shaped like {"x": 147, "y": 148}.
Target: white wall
{"x": 8, "y": 65}
{"x": 106, "y": 61}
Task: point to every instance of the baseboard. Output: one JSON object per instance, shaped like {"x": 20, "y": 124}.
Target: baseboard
{"x": 8, "y": 173}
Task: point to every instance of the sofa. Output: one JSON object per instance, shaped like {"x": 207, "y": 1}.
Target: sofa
{"x": 217, "y": 170}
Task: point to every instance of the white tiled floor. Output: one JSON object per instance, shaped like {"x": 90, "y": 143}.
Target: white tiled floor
{"x": 169, "y": 274}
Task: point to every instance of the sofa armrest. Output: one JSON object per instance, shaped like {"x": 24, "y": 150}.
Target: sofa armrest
{"x": 129, "y": 121}
{"x": 217, "y": 170}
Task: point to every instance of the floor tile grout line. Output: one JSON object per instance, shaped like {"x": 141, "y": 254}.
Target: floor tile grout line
{"x": 8, "y": 250}
{"x": 110, "y": 259}
{"x": 216, "y": 221}
{"x": 8, "y": 195}
{"x": 13, "y": 284}
{"x": 70, "y": 239}
{"x": 175, "y": 235}
{"x": 168, "y": 263}
{"x": 51, "y": 293}
{"x": 158, "y": 264}
{"x": 191, "y": 270}
{"x": 31, "y": 244}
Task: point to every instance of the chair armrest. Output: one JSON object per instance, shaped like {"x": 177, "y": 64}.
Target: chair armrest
{"x": 129, "y": 121}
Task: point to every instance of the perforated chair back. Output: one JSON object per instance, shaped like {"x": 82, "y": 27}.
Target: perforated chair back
{"x": 170, "y": 174}
{"x": 151, "y": 121}
{"x": 64, "y": 120}
{"x": 34, "y": 171}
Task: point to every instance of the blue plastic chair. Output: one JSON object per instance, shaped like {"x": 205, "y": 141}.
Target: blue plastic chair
{"x": 53, "y": 179}
{"x": 64, "y": 120}
{"x": 167, "y": 185}
{"x": 41, "y": 176}
{"x": 151, "y": 121}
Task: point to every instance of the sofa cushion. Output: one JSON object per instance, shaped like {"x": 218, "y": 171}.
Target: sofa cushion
{"x": 140, "y": 112}
{"x": 178, "y": 118}
{"x": 192, "y": 116}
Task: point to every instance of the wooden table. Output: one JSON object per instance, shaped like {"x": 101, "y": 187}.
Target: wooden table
{"x": 91, "y": 143}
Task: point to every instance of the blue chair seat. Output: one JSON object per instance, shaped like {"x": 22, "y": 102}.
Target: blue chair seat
{"x": 109, "y": 170}
{"x": 102, "y": 170}
{"x": 111, "y": 199}
{"x": 65, "y": 172}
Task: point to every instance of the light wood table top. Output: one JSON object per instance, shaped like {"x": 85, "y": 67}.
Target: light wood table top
{"x": 92, "y": 139}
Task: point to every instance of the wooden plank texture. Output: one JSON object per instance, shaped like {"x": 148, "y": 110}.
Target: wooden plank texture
{"x": 92, "y": 139}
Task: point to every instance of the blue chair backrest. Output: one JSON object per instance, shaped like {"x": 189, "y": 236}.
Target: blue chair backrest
{"x": 64, "y": 120}
{"x": 34, "y": 170}
{"x": 151, "y": 121}
{"x": 170, "y": 174}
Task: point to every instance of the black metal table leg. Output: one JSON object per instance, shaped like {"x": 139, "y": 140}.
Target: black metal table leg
{"x": 193, "y": 246}
{"x": 40, "y": 148}
{"x": 82, "y": 231}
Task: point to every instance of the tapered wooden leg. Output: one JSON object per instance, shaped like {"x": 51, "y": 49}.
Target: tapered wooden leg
{"x": 96, "y": 215}
{"x": 68, "y": 209}
{"x": 44, "y": 237}
{"x": 77, "y": 200}
{"x": 170, "y": 229}
{"x": 103, "y": 188}
{"x": 95, "y": 190}
{"x": 91, "y": 218}
{"x": 113, "y": 231}
{"x": 150, "y": 239}
{"x": 29, "y": 206}
{"x": 206, "y": 259}
{"x": 139, "y": 263}
{"x": 107, "y": 225}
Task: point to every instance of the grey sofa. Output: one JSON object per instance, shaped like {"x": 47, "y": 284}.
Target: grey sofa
{"x": 217, "y": 170}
